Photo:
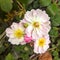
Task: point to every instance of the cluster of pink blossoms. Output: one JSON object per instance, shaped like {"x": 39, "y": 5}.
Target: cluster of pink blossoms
{"x": 35, "y": 26}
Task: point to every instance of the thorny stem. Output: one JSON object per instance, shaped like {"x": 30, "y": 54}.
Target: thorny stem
{"x": 2, "y": 35}
{"x": 22, "y": 9}
{"x": 53, "y": 48}
{"x": 19, "y": 4}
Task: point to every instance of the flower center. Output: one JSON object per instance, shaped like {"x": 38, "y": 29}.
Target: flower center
{"x": 41, "y": 42}
{"x": 18, "y": 33}
{"x": 36, "y": 24}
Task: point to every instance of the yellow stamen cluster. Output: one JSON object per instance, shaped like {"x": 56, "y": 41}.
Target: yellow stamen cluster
{"x": 18, "y": 33}
{"x": 36, "y": 24}
{"x": 41, "y": 42}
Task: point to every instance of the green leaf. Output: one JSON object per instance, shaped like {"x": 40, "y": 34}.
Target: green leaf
{"x": 55, "y": 53}
{"x": 25, "y": 1}
{"x": 56, "y": 20}
{"x": 19, "y": 48}
{"x": 45, "y": 2}
{"x": 58, "y": 42}
{"x": 9, "y": 57}
{"x": 56, "y": 58}
{"x": 23, "y": 51}
{"x": 54, "y": 32}
{"x": 6, "y": 5}
{"x": 52, "y": 9}
{"x": 2, "y": 48}
{"x": 23, "y": 48}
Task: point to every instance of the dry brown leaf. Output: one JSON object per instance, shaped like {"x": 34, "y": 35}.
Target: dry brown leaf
{"x": 45, "y": 56}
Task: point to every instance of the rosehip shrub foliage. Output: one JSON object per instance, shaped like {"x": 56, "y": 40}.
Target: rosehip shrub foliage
{"x": 15, "y": 11}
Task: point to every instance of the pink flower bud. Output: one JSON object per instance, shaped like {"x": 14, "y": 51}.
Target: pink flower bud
{"x": 27, "y": 39}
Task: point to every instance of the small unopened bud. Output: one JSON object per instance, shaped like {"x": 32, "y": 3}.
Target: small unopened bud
{"x": 25, "y": 25}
